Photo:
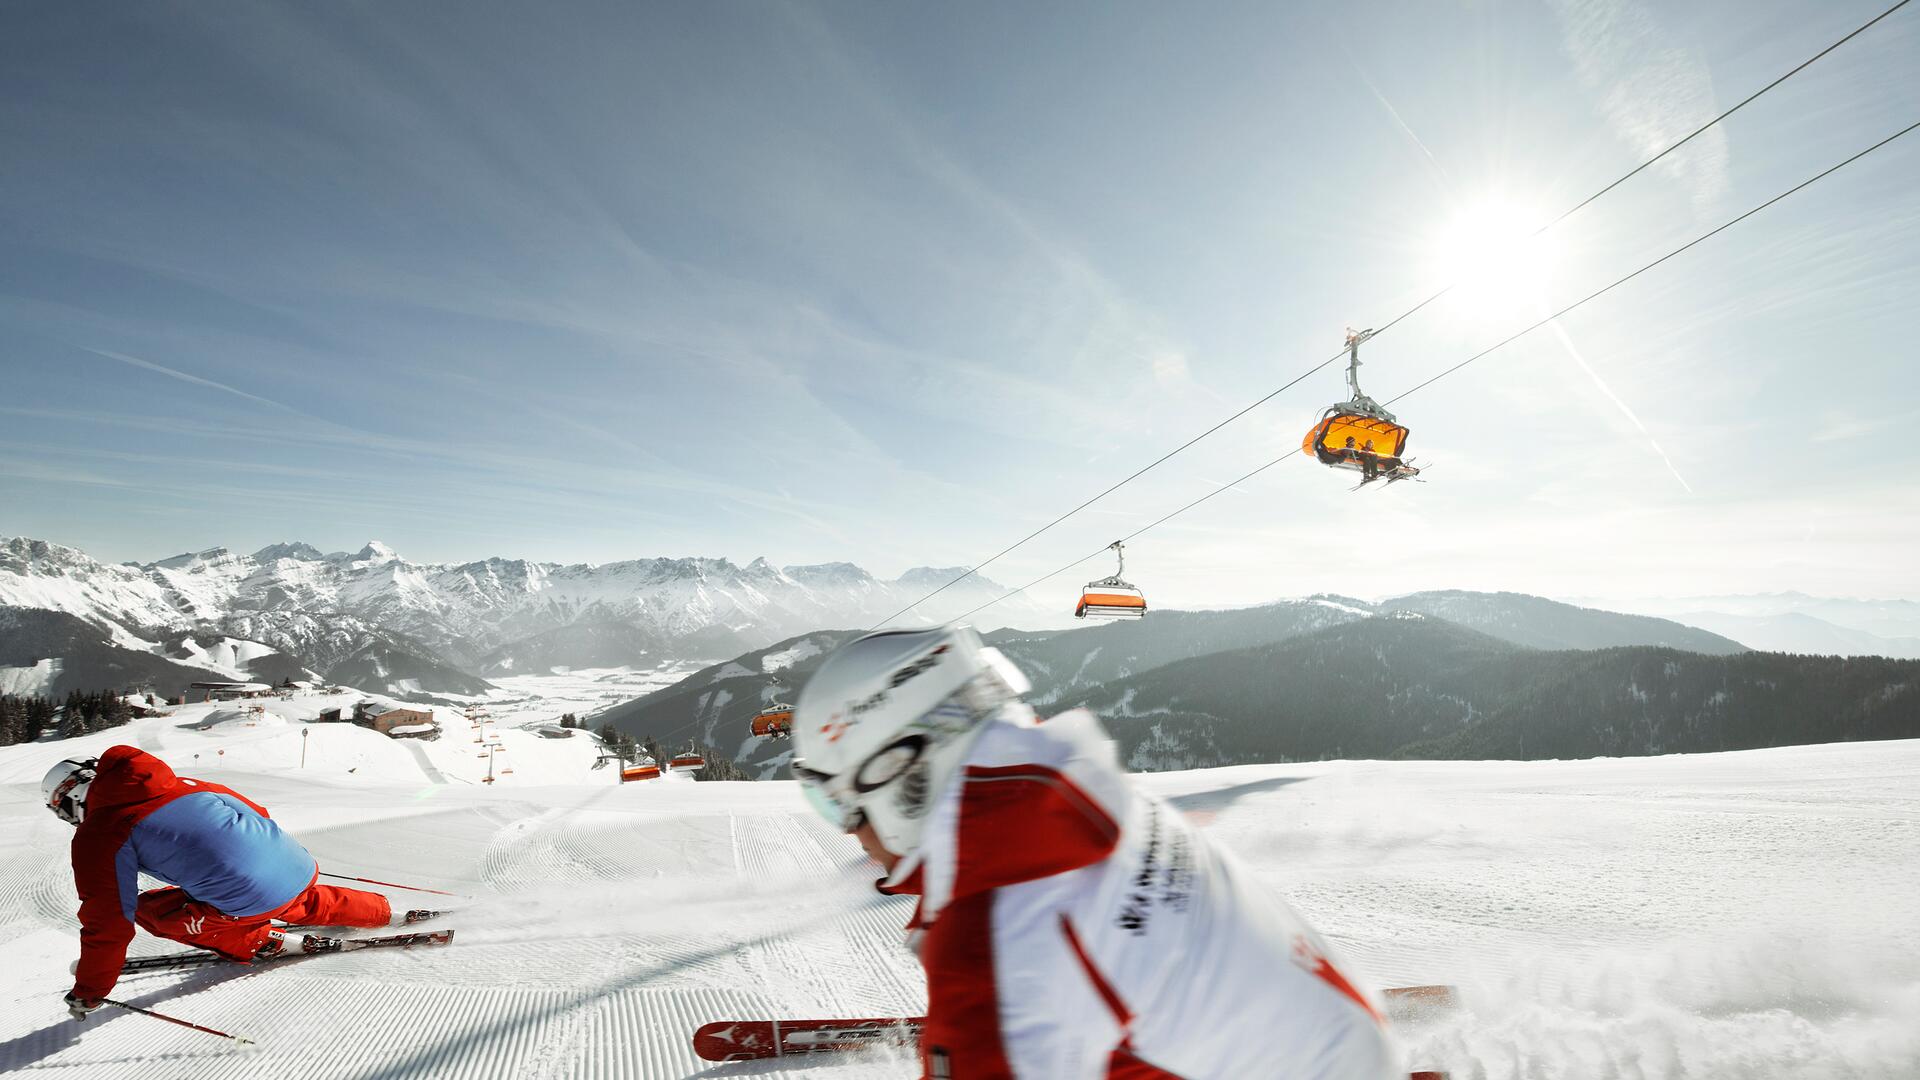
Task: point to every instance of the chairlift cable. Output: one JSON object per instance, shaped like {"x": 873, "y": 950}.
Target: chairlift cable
{"x": 1390, "y": 324}
{"x": 1429, "y": 382}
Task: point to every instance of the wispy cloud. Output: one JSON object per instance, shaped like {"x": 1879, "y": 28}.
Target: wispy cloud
{"x": 1652, "y": 91}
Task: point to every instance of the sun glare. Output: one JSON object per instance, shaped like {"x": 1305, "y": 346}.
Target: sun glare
{"x": 1489, "y": 250}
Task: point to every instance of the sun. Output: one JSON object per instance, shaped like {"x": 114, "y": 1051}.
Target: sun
{"x": 1494, "y": 254}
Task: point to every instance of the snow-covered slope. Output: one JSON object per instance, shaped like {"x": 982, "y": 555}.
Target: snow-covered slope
{"x": 1724, "y": 917}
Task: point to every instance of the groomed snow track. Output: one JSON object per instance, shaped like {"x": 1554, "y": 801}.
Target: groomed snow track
{"x": 1730, "y": 916}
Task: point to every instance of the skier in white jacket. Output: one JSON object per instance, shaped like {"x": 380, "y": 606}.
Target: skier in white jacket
{"x": 1071, "y": 926}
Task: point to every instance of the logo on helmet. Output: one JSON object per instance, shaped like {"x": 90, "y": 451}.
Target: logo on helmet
{"x": 914, "y": 670}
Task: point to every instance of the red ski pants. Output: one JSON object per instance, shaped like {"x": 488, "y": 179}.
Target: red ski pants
{"x": 171, "y": 913}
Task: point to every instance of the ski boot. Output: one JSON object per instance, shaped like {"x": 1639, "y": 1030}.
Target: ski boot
{"x": 275, "y": 944}
{"x": 419, "y": 915}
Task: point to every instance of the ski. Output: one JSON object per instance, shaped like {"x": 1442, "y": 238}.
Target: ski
{"x": 199, "y": 958}
{"x": 752, "y": 1040}
{"x": 391, "y": 941}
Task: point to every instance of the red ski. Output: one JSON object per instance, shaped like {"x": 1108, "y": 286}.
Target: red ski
{"x": 751, "y": 1040}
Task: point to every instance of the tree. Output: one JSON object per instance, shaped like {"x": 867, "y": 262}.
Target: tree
{"x": 619, "y": 743}
{"x": 40, "y": 713}
{"x": 13, "y": 719}
{"x": 718, "y": 767}
{"x": 114, "y": 712}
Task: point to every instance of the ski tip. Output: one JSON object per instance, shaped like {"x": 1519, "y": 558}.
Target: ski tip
{"x": 1413, "y": 1004}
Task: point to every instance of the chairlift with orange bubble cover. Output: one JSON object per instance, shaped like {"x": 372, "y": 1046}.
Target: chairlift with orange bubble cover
{"x": 1111, "y": 597}
{"x": 773, "y": 722}
{"x": 1359, "y": 434}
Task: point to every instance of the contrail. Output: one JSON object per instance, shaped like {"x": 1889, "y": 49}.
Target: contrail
{"x": 184, "y": 377}
{"x": 1446, "y": 181}
{"x": 1615, "y": 398}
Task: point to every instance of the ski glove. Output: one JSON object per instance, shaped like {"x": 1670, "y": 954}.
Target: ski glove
{"x": 78, "y": 1008}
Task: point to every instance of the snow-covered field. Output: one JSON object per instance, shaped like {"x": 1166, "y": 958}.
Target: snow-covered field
{"x": 582, "y": 691}
{"x": 1739, "y": 915}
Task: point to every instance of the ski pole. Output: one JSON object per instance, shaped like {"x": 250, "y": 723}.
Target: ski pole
{"x": 241, "y": 1039}
{"x": 394, "y": 885}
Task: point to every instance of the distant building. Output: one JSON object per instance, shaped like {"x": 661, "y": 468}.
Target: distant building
{"x": 398, "y": 723}
{"x": 330, "y": 716}
{"x": 229, "y": 691}
{"x": 554, "y": 731}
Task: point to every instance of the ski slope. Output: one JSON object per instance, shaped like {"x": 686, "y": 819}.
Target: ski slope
{"x": 1742, "y": 915}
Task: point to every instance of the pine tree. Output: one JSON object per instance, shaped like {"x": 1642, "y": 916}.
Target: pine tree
{"x": 718, "y": 767}
{"x": 39, "y": 718}
{"x": 12, "y": 719}
{"x": 115, "y": 712}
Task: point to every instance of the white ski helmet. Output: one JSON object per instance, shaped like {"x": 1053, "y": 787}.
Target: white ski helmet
{"x": 881, "y": 726}
{"x": 64, "y": 789}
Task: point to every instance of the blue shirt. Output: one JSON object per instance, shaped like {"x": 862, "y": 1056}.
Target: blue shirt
{"x": 220, "y": 852}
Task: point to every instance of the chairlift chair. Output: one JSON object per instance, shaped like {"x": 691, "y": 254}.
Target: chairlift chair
{"x": 1362, "y": 420}
{"x": 1111, "y": 597}
{"x": 774, "y": 722}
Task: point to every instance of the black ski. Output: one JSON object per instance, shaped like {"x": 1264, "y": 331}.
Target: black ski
{"x": 199, "y": 958}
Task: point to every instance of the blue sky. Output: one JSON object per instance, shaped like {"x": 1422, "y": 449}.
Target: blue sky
{"x": 894, "y": 284}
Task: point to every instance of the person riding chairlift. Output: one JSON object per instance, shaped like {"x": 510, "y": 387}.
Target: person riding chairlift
{"x": 1369, "y": 460}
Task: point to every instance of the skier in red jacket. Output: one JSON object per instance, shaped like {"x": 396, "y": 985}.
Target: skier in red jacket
{"x": 1072, "y": 927}
{"x": 233, "y": 870}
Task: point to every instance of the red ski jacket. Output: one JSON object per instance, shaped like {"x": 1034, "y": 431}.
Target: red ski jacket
{"x": 212, "y": 841}
{"x": 1073, "y": 927}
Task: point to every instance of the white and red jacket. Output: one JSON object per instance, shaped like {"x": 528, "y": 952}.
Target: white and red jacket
{"x": 1072, "y": 927}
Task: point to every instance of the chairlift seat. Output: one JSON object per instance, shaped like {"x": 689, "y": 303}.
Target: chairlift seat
{"x": 1104, "y": 601}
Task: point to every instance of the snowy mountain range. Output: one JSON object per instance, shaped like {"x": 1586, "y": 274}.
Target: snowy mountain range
{"x": 1798, "y": 623}
{"x": 385, "y": 623}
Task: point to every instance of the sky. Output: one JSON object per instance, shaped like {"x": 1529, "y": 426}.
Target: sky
{"x": 897, "y": 284}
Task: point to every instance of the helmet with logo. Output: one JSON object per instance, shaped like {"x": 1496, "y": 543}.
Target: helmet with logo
{"x": 881, "y": 727}
{"x": 64, "y": 789}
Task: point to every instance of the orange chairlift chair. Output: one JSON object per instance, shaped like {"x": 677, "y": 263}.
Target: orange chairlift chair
{"x": 1363, "y": 421}
{"x": 1111, "y": 597}
{"x": 774, "y": 721}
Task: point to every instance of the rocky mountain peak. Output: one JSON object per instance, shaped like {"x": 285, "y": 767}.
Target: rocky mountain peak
{"x": 376, "y": 552}
{"x": 291, "y": 550}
